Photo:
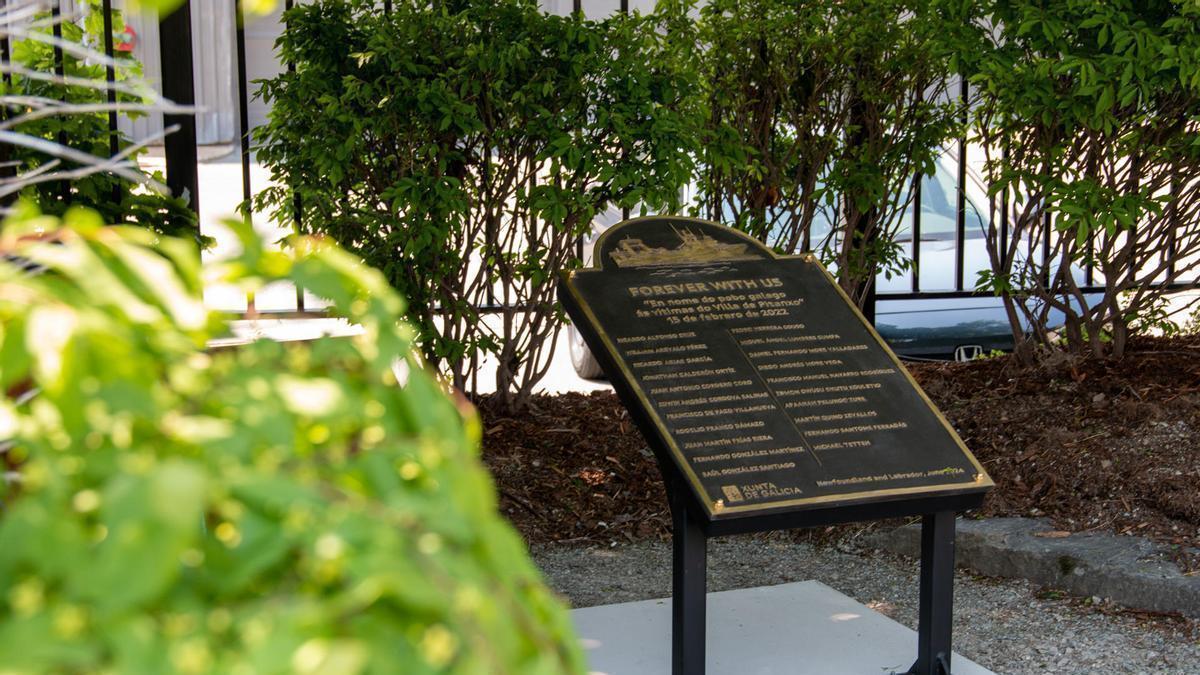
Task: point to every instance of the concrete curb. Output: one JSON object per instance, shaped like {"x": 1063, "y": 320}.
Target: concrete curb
{"x": 1130, "y": 571}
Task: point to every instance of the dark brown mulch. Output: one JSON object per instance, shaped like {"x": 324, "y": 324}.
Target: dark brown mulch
{"x": 1092, "y": 444}
{"x": 574, "y": 467}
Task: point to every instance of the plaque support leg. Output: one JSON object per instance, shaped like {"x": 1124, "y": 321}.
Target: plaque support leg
{"x": 688, "y": 588}
{"x": 936, "y": 595}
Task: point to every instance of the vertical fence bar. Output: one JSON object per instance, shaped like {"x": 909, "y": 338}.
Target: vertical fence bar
{"x": 243, "y": 122}
{"x": 916, "y": 224}
{"x": 713, "y": 199}
{"x": 1004, "y": 219}
{"x": 1172, "y": 233}
{"x": 960, "y": 235}
{"x": 625, "y": 10}
{"x": 60, "y": 70}
{"x": 1049, "y": 222}
{"x": 243, "y": 103}
{"x": 110, "y": 76}
{"x": 5, "y": 49}
{"x": 489, "y": 228}
{"x": 1030, "y": 244}
{"x": 6, "y": 170}
{"x": 1089, "y": 266}
{"x": 916, "y": 235}
{"x": 297, "y": 204}
{"x": 175, "y": 29}
{"x": 1004, "y": 227}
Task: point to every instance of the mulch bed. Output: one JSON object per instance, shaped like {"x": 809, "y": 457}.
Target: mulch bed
{"x": 1092, "y": 444}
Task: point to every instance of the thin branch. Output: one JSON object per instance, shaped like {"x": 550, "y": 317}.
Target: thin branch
{"x": 143, "y": 92}
{"x": 166, "y": 107}
{"x": 118, "y": 164}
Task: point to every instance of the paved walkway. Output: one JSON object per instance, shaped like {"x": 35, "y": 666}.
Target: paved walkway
{"x": 1001, "y": 625}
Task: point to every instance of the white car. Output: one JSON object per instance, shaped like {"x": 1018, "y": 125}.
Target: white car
{"x": 958, "y": 327}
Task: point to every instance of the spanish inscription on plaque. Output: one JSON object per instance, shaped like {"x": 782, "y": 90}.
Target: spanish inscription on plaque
{"x": 756, "y": 375}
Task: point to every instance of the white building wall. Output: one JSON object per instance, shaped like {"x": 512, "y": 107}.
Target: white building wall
{"x": 213, "y": 65}
{"x": 261, "y": 33}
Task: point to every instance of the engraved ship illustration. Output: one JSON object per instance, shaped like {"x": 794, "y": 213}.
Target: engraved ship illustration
{"x": 693, "y": 248}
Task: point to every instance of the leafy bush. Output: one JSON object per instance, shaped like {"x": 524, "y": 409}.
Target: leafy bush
{"x": 820, "y": 114}
{"x": 1088, "y": 113}
{"x": 462, "y": 148}
{"x": 279, "y": 507}
{"x": 117, "y": 199}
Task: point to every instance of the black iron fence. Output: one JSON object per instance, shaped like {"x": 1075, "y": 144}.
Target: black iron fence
{"x": 180, "y": 151}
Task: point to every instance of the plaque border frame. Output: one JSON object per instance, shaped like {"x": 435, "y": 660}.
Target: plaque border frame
{"x": 717, "y": 509}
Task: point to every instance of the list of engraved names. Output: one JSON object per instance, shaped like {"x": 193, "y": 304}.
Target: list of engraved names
{"x": 720, "y": 405}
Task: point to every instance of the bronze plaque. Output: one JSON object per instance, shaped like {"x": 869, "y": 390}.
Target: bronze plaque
{"x": 756, "y": 375}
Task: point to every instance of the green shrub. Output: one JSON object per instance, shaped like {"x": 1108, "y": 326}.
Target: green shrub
{"x": 463, "y": 147}
{"x": 820, "y": 116}
{"x": 275, "y": 508}
{"x": 116, "y": 199}
{"x": 1088, "y": 114}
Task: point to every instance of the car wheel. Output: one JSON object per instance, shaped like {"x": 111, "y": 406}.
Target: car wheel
{"x": 585, "y": 364}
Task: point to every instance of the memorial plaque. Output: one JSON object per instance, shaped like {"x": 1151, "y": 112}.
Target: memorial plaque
{"x": 755, "y": 374}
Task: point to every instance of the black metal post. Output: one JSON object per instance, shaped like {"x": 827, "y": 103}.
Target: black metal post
{"x": 625, "y": 10}
{"x": 1172, "y": 234}
{"x": 110, "y": 76}
{"x": 297, "y": 203}
{"x": 61, "y": 71}
{"x": 688, "y": 585}
{"x": 175, "y": 33}
{"x": 1089, "y": 265}
{"x": 7, "y": 170}
{"x": 1048, "y": 227}
{"x": 243, "y": 103}
{"x": 239, "y": 37}
{"x": 1004, "y": 204}
{"x": 916, "y": 228}
{"x": 936, "y": 595}
{"x": 960, "y": 224}
{"x": 4, "y": 53}
{"x": 916, "y": 236}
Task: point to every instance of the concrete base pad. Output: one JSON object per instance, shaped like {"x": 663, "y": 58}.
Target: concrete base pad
{"x": 790, "y": 629}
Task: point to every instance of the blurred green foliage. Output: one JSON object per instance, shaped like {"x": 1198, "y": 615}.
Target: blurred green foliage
{"x": 164, "y": 6}
{"x": 305, "y": 507}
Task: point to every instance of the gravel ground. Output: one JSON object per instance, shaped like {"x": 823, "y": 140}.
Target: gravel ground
{"x": 999, "y": 624}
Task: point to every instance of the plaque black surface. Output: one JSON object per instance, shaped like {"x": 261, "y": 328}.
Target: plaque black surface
{"x": 755, "y": 376}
